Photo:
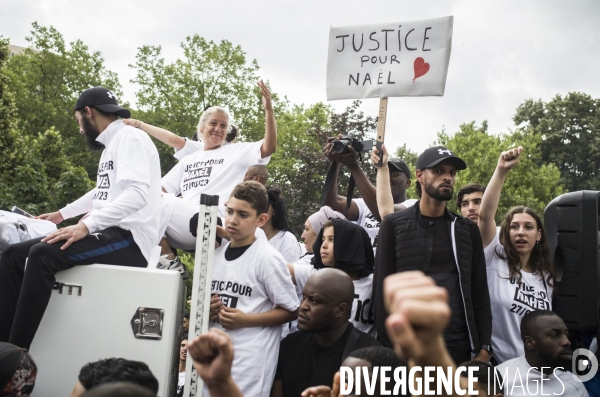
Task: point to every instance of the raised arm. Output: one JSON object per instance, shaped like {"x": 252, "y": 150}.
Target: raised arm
{"x": 385, "y": 200}
{"x": 419, "y": 312}
{"x": 270, "y": 144}
{"x": 212, "y": 353}
{"x": 165, "y": 136}
{"x": 333, "y": 199}
{"x": 489, "y": 202}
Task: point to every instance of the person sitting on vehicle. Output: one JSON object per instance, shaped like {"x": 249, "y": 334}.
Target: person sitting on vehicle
{"x": 214, "y": 170}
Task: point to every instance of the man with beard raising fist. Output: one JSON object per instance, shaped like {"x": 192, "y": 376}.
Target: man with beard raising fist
{"x": 121, "y": 230}
{"x": 444, "y": 246}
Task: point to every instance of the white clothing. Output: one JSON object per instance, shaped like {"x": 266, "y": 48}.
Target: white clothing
{"x": 259, "y": 233}
{"x": 127, "y": 192}
{"x": 175, "y": 222}
{"x": 214, "y": 172}
{"x": 362, "y": 312}
{"x": 178, "y": 222}
{"x": 305, "y": 259}
{"x": 256, "y": 282}
{"x": 287, "y": 245}
{"x": 292, "y": 326}
{"x": 510, "y": 301}
{"x": 180, "y": 383}
{"x": 189, "y": 148}
{"x": 520, "y": 379}
{"x": 367, "y": 220}
{"x": 15, "y": 228}
{"x": 303, "y": 250}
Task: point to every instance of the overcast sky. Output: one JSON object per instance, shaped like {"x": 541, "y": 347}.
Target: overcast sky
{"x": 503, "y": 52}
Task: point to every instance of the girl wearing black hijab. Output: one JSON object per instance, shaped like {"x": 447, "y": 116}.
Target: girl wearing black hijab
{"x": 346, "y": 246}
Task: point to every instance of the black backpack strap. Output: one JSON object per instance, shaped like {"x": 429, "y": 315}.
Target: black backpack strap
{"x": 330, "y": 174}
{"x": 350, "y": 192}
{"x": 350, "y": 343}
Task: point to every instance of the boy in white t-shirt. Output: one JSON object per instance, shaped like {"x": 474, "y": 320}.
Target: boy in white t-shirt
{"x": 255, "y": 291}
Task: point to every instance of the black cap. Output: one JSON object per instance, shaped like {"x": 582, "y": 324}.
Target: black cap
{"x": 434, "y": 155}
{"x": 399, "y": 165}
{"x": 103, "y": 99}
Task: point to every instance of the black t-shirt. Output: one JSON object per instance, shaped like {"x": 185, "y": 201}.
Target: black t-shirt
{"x": 232, "y": 254}
{"x": 303, "y": 362}
{"x": 444, "y": 271}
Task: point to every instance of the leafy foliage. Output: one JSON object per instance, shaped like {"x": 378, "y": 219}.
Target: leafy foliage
{"x": 174, "y": 95}
{"x": 35, "y": 171}
{"x": 410, "y": 158}
{"x": 527, "y": 184}
{"x": 569, "y": 130}
{"x": 46, "y": 80}
{"x": 299, "y": 167}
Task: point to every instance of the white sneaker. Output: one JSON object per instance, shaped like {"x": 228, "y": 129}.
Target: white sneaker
{"x": 174, "y": 264}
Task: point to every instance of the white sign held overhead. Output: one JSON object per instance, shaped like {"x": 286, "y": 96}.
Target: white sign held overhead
{"x": 389, "y": 59}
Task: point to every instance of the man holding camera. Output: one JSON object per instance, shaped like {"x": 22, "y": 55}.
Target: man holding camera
{"x": 364, "y": 210}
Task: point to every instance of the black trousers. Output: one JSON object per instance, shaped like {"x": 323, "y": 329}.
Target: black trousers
{"x": 25, "y": 291}
{"x": 459, "y": 353}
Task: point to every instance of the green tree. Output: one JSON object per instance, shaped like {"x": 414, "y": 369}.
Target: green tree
{"x": 527, "y": 184}
{"x": 569, "y": 129}
{"x": 173, "y": 95}
{"x": 8, "y": 117}
{"x": 47, "y": 78}
{"x": 410, "y": 158}
{"x": 35, "y": 172}
{"x": 299, "y": 166}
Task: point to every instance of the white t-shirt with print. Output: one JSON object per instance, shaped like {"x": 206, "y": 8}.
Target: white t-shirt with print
{"x": 521, "y": 380}
{"x": 189, "y": 148}
{"x": 368, "y": 221}
{"x": 214, "y": 172}
{"x": 256, "y": 282}
{"x": 180, "y": 383}
{"x": 362, "y": 313}
{"x": 510, "y": 300}
{"x": 129, "y": 159}
{"x": 287, "y": 245}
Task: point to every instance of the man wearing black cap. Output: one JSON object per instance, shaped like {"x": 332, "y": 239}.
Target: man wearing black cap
{"x": 444, "y": 246}
{"x": 364, "y": 211}
{"x": 121, "y": 229}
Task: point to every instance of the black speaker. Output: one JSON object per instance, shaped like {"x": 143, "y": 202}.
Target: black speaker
{"x": 572, "y": 226}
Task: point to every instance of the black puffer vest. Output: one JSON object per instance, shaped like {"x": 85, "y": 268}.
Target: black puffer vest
{"x": 414, "y": 245}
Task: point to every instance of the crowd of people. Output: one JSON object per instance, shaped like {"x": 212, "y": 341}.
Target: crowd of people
{"x": 378, "y": 281}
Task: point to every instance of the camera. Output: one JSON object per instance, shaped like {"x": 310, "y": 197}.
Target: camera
{"x": 342, "y": 145}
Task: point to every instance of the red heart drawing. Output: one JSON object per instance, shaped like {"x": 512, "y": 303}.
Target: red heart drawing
{"x": 421, "y": 68}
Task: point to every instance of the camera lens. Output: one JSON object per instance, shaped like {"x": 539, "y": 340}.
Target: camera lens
{"x": 341, "y": 146}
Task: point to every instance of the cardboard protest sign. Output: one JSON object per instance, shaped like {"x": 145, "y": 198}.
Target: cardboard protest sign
{"x": 389, "y": 59}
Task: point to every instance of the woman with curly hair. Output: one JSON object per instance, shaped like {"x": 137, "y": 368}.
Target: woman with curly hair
{"x": 519, "y": 269}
